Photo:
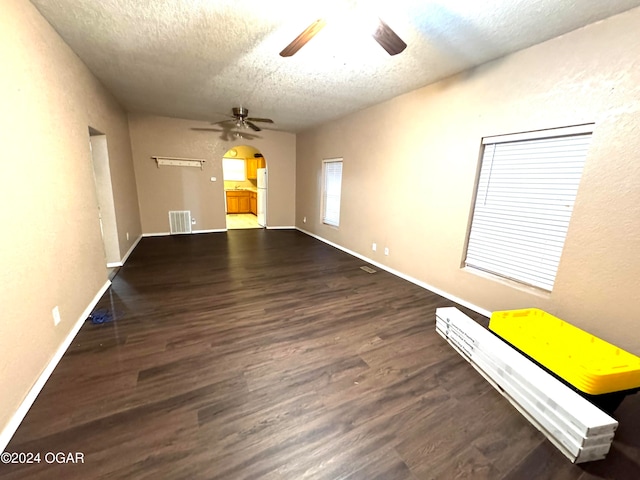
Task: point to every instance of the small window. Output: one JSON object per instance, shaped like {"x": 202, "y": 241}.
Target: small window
{"x": 332, "y": 186}
{"x": 524, "y": 199}
{"x": 234, "y": 169}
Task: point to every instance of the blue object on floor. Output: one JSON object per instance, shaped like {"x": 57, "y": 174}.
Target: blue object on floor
{"x": 101, "y": 316}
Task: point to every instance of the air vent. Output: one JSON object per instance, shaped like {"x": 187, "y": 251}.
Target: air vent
{"x": 367, "y": 269}
{"x": 180, "y": 221}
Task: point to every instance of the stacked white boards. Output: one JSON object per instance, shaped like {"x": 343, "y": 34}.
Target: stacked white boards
{"x": 579, "y": 429}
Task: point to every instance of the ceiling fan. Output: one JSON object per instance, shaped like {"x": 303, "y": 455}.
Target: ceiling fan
{"x": 240, "y": 116}
{"x": 239, "y": 119}
{"x": 382, "y": 33}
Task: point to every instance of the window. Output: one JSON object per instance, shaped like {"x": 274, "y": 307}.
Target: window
{"x": 525, "y": 195}
{"x": 234, "y": 169}
{"x": 331, "y": 188}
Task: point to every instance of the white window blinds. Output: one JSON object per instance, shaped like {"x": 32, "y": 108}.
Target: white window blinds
{"x": 525, "y": 196}
{"x": 331, "y": 191}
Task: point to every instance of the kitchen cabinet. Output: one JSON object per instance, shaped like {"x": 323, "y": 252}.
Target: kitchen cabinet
{"x": 232, "y": 204}
{"x": 254, "y": 203}
{"x": 244, "y": 204}
{"x": 238, "y": 201}
{"x": 252, "y": 168}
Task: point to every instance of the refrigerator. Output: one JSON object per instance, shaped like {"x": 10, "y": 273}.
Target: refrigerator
{"x": 262, "y": 197}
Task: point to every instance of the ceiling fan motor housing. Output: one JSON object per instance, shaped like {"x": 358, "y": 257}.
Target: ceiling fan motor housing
{"x": 240, "y": 112}
{"x": 240, "y": 116}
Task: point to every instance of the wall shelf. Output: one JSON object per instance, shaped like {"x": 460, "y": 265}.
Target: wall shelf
{"x": 179, "y": 162}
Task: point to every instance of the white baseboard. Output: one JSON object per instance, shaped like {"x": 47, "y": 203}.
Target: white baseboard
{"x": 404, "y": 276}
{"x": 126, "y": 255}
{"x": 166, "y": 234}
{"x": 15, "y": 421}
{"x": 131, "y": 249}
{"x": 281, "y": 228}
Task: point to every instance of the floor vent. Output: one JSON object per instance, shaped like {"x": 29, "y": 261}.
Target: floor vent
{"x": 180, "y": 221}
{"x": 367, "y": 269}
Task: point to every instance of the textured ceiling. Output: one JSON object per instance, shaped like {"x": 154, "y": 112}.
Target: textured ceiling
{"x": 196, "y": 59}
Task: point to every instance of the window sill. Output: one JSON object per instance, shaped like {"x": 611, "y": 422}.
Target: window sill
{"x": 523, "y": 287}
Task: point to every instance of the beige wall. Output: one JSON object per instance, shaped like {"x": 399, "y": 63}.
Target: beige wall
{"x": 187, "y": 188}
{"x": 50, "y": 249}
{"x": 410, "y": 166}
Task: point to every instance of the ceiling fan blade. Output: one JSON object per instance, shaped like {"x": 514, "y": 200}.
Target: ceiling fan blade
{"x": 253, "y": 126}
{"x": 265, "y": 120}
{"x": 388, "y": 39}
{"x": 302, "y": 39}
{"x": 206, "y": 129}
{"x": 224, "y": 123}
{"x": 224, "y": 132}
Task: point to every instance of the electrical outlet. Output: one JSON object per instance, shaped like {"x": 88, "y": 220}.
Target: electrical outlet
{"x": 56, "y": 315}
{"x": 374, "y": 247}
{"x": 304, "y": 219}
{"x": 193, "y": 221}
{"x": 127, "y": 235}
{"x": 386, "y": 250}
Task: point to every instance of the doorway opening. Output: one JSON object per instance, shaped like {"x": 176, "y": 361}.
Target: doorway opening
{"x": 245, "y": 187}
{"x": 104, "y": 196}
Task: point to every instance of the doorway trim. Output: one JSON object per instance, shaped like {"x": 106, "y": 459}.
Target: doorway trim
{"x": 104, "y": 197}
{"x": 253, "y": 159}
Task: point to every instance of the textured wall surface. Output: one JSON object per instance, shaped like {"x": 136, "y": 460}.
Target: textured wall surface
{"x": 410, "y": 166}
{"x": 51, "y": 249}
{"x": 188, "y": 188}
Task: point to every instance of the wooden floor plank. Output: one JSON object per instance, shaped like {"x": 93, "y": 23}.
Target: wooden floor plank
{"x": 268, "y": 354}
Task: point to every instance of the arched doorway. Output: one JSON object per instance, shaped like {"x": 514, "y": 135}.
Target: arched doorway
{"x": 245, "y": 186}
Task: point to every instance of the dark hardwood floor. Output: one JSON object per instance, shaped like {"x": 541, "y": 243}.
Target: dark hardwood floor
{"x": 260, "y": 354}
